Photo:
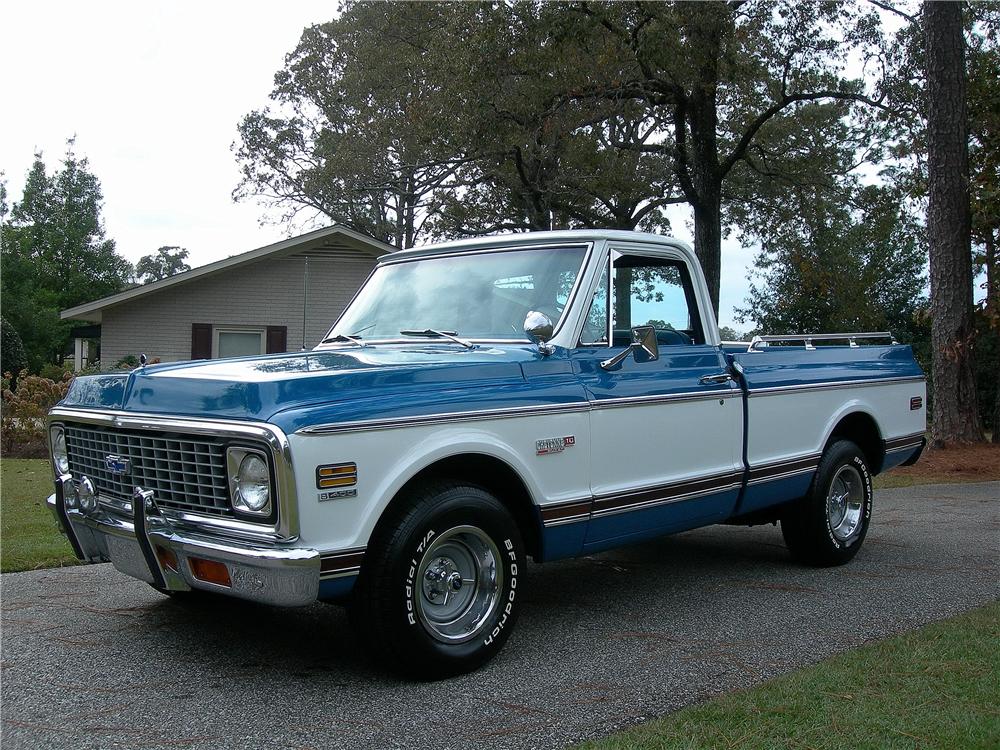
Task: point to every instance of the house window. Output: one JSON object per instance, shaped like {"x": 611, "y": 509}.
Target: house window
{"x": 238, "y": 342}
{"x": 208, "y": 341}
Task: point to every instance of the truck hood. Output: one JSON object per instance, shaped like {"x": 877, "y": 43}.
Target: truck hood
{"x": 352, "y": 383}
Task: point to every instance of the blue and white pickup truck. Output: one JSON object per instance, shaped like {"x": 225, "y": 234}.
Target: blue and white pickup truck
{"x": 545, "y": 395}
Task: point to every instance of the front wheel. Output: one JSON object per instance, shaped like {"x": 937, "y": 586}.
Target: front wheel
{"x": 438, "y": 591}
{"x": 828, "y": 526}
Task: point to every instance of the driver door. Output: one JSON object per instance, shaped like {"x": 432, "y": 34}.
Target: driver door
{"x": 666, "y": 435}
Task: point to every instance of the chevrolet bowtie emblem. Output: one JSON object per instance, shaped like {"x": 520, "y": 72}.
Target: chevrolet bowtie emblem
{"x": 116, "y": 464}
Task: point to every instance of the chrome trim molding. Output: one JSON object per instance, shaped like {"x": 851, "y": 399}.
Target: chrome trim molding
{"x": 863, "y": 383}
{"x": 431, "y": 419}
{"x": 511, "y": 412}
{"x": 287, "y": 527}
{"x": 702, "y": 395}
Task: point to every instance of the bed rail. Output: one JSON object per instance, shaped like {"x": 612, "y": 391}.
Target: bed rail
{"x": 758, "y": 343}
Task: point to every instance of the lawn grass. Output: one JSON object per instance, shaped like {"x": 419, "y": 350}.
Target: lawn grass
{"x": 936, "y": 687}
{"x": 29, "y": 538}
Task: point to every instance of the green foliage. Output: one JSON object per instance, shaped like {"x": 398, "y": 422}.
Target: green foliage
{"x": 986, "y": 355}
{"x": 128, "y": 362}
{"x": 731, "y": 334}
{"x": 825, "y": 268}
{"x": 166, "y": 261}
{"x": 12, "y": 357}
{"x": 25, "y": 405}
{"x": 54, "y": 255}
{"x": 449, "y": 119}
{"x": 52, "y": 371}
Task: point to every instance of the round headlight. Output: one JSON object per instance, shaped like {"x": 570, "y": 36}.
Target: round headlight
{"x": 60, "y": 458}
{"x": 253, "y": 482}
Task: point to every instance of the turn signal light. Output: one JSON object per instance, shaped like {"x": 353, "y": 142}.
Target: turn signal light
{"x": 210, "y": 571}
{"x": 336, "y": 475}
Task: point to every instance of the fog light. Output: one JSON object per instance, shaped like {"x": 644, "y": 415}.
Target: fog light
{"x": 210, "y": 571}
{"x": 86, "y": 495}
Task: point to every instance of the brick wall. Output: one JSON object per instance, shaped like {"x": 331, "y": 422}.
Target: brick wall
{"x": 265, "y": 293}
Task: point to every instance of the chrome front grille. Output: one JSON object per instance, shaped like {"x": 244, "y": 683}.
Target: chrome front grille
{"x": 184, "y": 472}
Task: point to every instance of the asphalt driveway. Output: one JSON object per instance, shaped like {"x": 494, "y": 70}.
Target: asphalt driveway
{"x": 93, "y": 659}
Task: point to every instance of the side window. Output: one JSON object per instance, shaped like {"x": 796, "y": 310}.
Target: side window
{"x": 656, "y": 292}
{"x": 595, "y": 327}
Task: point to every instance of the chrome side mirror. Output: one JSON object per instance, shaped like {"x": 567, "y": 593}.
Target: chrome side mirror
{"x": 644, "y": 348}
{"x": 538, "y": 327}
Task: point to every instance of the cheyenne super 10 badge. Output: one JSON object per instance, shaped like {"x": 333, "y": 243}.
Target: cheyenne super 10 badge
{"x": 554, "y": 445}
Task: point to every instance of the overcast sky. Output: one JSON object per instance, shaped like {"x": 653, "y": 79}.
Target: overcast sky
{"x": 153, "y": 94}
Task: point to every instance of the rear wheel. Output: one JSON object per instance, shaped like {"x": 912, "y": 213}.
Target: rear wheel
{"x": 828, "y": 526}
{"x": 437, "y": 593}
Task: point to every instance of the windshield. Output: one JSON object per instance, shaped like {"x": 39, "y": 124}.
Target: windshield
{"x": 476, "y": 296}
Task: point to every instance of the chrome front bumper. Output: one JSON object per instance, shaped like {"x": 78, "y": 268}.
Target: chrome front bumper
{"x": 271, "y": 574}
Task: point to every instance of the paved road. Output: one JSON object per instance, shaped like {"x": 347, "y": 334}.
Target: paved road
{"x": 92, "y": 659}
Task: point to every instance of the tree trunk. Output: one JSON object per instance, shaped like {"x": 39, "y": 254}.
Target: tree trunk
{"x": 706, "y": 29}
{"x": 708, "y": 244}
{"x": 956, "y": 413}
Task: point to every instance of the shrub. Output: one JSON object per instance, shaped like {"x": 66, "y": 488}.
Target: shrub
{"x": 54, "y": 372}
{"x": 12, "y": 356}
{"x": 22, "y": 417}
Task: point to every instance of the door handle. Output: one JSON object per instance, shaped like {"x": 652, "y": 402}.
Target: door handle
{"x": 722, "y": 377}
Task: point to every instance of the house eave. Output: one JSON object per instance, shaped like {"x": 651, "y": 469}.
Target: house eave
{"x": 92, "y": 311}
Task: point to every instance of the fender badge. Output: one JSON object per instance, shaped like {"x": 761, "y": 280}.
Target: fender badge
{"x": 336, "y": 495}
{"x": 554, "y": 445}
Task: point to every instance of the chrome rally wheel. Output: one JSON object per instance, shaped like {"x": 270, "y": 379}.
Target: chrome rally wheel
{"x": 460, "y": 578}
{"x": 845, "y": 503}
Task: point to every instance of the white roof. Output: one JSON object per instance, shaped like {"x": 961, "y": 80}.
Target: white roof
{"x": 337, "y": 235}
{"x": 529, "y": 239}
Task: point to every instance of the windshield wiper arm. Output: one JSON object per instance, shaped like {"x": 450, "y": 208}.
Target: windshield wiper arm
{"x": 440, "y": 334}
{"x": 345, "y": 337}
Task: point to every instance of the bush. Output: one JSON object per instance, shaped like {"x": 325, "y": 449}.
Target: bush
{"x": 12, "y": 356}
{"x": 54, "y": 372}
{"x": 22, "y": 418}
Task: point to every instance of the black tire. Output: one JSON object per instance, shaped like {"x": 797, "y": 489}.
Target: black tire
{"x": 814, "y": 530}
{"x": 400, "y": 603}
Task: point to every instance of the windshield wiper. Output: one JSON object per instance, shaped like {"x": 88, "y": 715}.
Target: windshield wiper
{"x": 345, "y": 337}
{"x": 440, "y": 334}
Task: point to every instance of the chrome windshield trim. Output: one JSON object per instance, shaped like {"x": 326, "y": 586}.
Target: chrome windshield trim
{"x": 287, "y": 527}
{"x": 860, "y": 383}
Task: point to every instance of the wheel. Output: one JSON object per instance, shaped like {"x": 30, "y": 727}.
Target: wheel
{"x": 828, "y": 526}
{"x": 437, "y": 593}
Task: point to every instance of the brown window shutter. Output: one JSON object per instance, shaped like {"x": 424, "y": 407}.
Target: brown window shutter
{"x": 201, "y": 341}
{"x": 277, "y": 339}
